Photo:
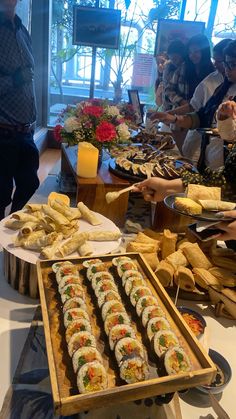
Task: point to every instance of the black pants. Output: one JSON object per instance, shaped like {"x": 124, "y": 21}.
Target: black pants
{"x": 19, "y": 163}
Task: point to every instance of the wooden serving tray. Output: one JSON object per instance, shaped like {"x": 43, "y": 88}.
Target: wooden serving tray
{"x": 67, "y": 400}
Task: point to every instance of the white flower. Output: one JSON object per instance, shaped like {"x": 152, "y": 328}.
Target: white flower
{"x": 71, "y": 124}
{"x": 123, "y": 132}
{"x": 113, "y": 110}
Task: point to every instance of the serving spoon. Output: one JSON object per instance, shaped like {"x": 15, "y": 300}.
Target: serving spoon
{"x": 112, "y": 196}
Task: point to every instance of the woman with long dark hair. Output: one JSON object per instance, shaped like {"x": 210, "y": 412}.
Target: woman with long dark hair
{"x": 193, "y": 70}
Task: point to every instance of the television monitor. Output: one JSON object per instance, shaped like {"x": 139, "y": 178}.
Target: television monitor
{"x": 96, "y": 27}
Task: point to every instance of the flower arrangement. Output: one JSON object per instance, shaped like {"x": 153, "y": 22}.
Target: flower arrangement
{"x": 94, "y": 121}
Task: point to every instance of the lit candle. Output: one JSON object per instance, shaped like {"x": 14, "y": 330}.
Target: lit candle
{"x": 87, "y": 161}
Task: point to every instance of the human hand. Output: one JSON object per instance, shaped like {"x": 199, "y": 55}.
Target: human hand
{"x": 226, "y": 110}
{"x": 156, "y": 189}
{"x": 163, "y": 117}
{"x": 22, "y": 76}
{"x": 228, "y": 227}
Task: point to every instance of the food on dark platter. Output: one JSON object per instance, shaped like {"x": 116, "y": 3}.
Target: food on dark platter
{"x": 145, "y": 137}
{"x": 223, "y": 374}
{"x": 194, "y": 320}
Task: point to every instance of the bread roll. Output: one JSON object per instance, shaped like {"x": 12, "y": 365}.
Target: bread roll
{"x": 151, "y": 259}
{"x": 164, "y": 273}
{"x": 177, "y": 259}
{"x": 184, "y": 278}
{"x": 168, "y": 245}
{"x": 196, "y": 257}
{"x": 196, "y": 192}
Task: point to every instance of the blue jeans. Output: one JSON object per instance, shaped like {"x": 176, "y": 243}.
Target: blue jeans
{"x": 19, "y": 163}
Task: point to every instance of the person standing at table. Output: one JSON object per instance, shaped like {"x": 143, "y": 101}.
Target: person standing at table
{"x": 19, "y": 157}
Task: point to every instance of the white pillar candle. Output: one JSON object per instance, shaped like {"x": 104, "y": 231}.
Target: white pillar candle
{"x": 87, "y": 160}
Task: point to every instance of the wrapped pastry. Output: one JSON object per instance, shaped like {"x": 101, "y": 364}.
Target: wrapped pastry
{"x": 164, "y": 273}
{"x": 56, "y": 216}
{"x": 88, "y": 215}
{"x": 188, "y": 206}
{"x": 196, "y": 192}
{"x": 85, "y": 249}
{"x": 226, "y": 277}
{"x": 33, "y": 207}
{"x": 13, "y": 224}
{"x": 65, "y": 210}
{"x": 151, "y": 259}
{"x": 24, "y": 216}
{"x": 28, "y": 228}
{"x": 224, "y": 262}
{"x": 225, "y": 302}
{"x": 184, "y": 278}
{"x": 104, "y": 235}
{"x": 196, "y": 257}
{"x": 141, "y": 247}
{"x": 60, "y": 197}
{"x": 177, "y": 259}
{"x": 20, "y": 240}
{"x": 205, "y": 279}
{"x": 168, "y": 245}
{"x": 48, "y": 252}
{"x": 40, "y": 242}
{"x": 142, "y": 238}
{"x": 72, "y": 244}
{"x": 215, "y": 205}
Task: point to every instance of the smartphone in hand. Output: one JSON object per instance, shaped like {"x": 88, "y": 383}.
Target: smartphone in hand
{"x": 206, "y": 234}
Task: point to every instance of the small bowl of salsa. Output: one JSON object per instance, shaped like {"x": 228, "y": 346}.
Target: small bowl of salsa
{"x": 193, "y": 319}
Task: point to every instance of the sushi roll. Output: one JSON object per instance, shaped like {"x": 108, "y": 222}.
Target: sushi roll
{"x": 99, "y": 276}
{"x": 105, "y": 285}
{"x": 108, "y": 296}
{"x": 176, "y": 361}
{"x": 130, "y": 273}
{"x": 150, "y": 312}
{"x": 132, "y": 282}
{"x": 93, "y": 269}
{"x": 74, "y": 314}
{"x": 134, "y": 369}
{"x": 75, "y": 302}
{"x": 118, "y": 332}
{"x": 79, "y": 325}
{"x": 64, "y": 270}
{"x": 84, "y": 355}
{"x": 68, "y": 280}
{"x": 70, "y": 291}
{"x": 143, "y": 302}
{"x": 156, "y": 324}
{"x": 120, "y": 259}
{"x": 137, "y": 293}
{"x": 92, "y": 377}
{"x": 79, "y": 340}
{"x": 90, "y": 262}
{"x": 57, "y": 265}
{"x": 110, "y": 307}
{"x": 164, "y": 340}
{"x": 114, "y": 319}
{"x": 126, "y": 265}
{"x": 127, "y": 347}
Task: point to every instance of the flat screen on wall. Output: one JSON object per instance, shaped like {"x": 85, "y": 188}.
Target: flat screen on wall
{"x": 96, "y": 27}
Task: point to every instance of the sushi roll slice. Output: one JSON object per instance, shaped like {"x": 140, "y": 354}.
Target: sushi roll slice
{"x": 134, "y": 369}
{"x": 130, "y": 273}
{"x": 143, "y": 302}
{"x": 79, "y": 325}
{"x": 93, "y": 269}
{"x": 132, "y": 282}
{"x": 156, "y": 324}
{"x": 99, "y": 276}
{"x": 126, "y": 265}
{"x": 118, "y": 332}
{"x": 114, "y": 319}
{"x": 57, "y": 265}
{"x": 84, "y": 355}
{"x": 75, "y": 302}
{"x": 164, "y": 340}
{"x": 110, "y": 307}
{"x": 108, "y": 296}
{"x": 127, "y": 347}
{"x": 150, "y": 312}
{"x": 64, "y": 270}
{"x": 90, "y": 262}
{"x": 92, "y": 377}
{"x": 79, "y": 340}
{"x": 120, "y": 259}
{"x": 176, "y": 361}
{"x": 68, "y": 280}
{"x": 105, "y": 285}
{"x": 74, "y": 314}
{"x": 137, "y": 293}
{"x": 70, "y": 291}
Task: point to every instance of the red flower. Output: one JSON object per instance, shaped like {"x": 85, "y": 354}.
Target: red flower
{"x": 105, "y": 132}
{"x": 57, "y": 133}
{"x": 93, "y": 110}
